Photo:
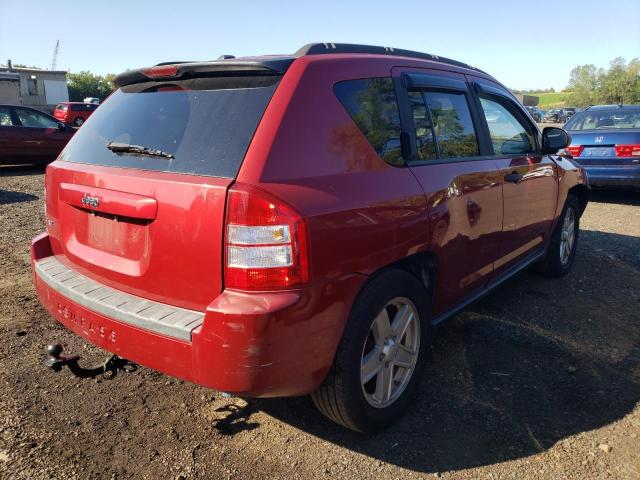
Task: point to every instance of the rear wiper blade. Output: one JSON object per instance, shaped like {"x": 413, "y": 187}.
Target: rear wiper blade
{"x": 139, "y": 149}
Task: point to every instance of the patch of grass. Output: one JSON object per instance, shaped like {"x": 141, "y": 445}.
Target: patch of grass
{"x": 553, "y": 100}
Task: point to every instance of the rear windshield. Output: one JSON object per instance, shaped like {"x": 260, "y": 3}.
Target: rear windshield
{"x": 206, "y": 124}
{"x": 595, "y": 120}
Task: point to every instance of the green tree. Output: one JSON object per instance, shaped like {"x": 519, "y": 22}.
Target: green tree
{"x": 584, "y": 82}
{"x": 615, "y": 83}
{"x": 620, "y": 83}
{"x": 86, "y": 84}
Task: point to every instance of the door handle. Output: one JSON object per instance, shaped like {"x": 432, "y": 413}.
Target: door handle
{"x": 513, "y": 177}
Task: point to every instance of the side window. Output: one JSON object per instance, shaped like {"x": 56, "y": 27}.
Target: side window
{"x": 5, "y": 117}
{"x": 371, "y": 103}
{"x": 423, "y": 128}
{"x": 29, "y": 118}
{"x": 452, "y": 124}
{"x": 508, "y": 134}
{"x": 32, "y": 86}
{"x": 76, "y": 108}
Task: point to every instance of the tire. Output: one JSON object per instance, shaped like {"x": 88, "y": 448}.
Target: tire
{"x": 78, "y": 121}
{"x": 344, "y": 397}
{"x": 556, "y": 262}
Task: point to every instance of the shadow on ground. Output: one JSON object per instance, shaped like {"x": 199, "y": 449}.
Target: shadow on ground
{"x": 535, "y": 362}
{"x": 7, "y": 197}
{"x": 620, "y": 196}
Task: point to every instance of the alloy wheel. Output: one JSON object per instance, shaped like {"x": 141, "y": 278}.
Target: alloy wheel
{"x": 390, "y": 352}
{"x": 567, "y": 236}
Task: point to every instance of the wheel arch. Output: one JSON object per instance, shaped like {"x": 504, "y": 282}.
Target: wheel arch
{"x": 581, "y": 192}
{"x": 423, "y": 266}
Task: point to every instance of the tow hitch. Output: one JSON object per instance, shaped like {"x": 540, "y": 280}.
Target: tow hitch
{"x": 108, "y": 369}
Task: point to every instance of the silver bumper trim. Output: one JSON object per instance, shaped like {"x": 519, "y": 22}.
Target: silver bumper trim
{"x": 136, "y": 311}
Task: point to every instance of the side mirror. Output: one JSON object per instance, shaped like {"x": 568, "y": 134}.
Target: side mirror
{"x": 61, "y": 126}
{"x": 554, "y": 139}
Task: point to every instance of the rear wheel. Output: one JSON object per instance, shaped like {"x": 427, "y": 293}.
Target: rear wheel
{"x": 564, "y": 241}
{"x": 78, "y": 121}
{"x": 381, "y": 355}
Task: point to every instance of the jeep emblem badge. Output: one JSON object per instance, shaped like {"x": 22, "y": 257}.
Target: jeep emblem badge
{"x": 598, "y": 139}
{"x": 90, "y": 201}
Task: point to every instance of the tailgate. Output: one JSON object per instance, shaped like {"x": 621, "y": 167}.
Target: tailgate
{"x": 146, "y": 217}
{"x": 154, "y": 235}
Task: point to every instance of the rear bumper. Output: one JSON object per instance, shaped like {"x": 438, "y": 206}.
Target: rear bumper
{"x": 255, "y": 345}
{"x": 627, "y": 175}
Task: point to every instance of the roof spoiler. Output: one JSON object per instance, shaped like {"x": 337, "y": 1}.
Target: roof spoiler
{"x": 193, "y": 69}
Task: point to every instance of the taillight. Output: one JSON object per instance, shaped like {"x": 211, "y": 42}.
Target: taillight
{"x": 627, "y": 150}
{"x": 161, "y": 71}
{"x": 575, "y": 150}
{"x": 265, "y": 242}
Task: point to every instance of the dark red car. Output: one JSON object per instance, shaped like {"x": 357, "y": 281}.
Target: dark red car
{"x": 74, "y": 113}
{"x": 293, "y": 225}
{"x": 30, "y": 136}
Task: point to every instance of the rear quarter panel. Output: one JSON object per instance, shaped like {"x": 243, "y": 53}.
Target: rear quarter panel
{"x": 362, "y": 214}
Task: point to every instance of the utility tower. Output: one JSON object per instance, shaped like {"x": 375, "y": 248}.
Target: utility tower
{"x": 54, "y": 61}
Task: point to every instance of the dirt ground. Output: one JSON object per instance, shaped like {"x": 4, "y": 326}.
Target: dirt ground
{"x": 540, "y": 380}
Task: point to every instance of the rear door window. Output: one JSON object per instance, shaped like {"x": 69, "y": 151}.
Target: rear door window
{"x": 443, "y": 116}
{"x": 205, "y": 124}
{"x": 425, "y": 136}
{"x": 372, "y": 104}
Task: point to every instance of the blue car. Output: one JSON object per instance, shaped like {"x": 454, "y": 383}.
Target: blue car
{"x": 605, "y": 141}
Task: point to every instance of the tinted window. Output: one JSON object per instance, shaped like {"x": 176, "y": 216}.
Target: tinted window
{"x": 5, "y": 117}
{"x": 593, "y": 120}
{"x": 423, "y": 128}
{"x": 33, "y": 119}
{"x": 509, "y": 136}
{"x": 77, "y": 108}
{"x": 205, "y": 123}
{"x": 62, "y": 107}
{"x": 452, "y": 124}
{"x": 372, "y": 104}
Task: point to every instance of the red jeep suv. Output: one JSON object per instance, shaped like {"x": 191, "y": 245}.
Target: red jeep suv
{"x": 291, "y": 225}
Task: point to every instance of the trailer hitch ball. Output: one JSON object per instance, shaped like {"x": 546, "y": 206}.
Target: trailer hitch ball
{"x": 54, "y": 350}
{"x": 56, "y": 361}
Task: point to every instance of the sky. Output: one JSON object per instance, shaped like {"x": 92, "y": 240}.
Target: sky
{"x": 524, "y": 44}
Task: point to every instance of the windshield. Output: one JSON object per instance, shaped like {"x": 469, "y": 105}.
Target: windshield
{"x": 606, "y": 119}
{"x": 204, "y": 125}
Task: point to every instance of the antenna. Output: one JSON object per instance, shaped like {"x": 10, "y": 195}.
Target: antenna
{"x": 54, "y": 61}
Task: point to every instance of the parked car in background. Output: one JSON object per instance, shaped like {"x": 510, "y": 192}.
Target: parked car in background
{"x": 605, "y": 141}
{"x": 553, "y": 116}
{"x": 91, "y": 100}
{"x": 569, "y": 112}
{"x": 74, "y": 113}
{"x": 335, "y": 237}
{"x": 535, "y": 113}
{"x": 30, "y": 136}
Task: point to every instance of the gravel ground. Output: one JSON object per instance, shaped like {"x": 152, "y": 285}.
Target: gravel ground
{"x": 539, "y": 380}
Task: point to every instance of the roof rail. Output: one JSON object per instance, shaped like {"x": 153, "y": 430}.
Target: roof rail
{"x": 328, "y": 48}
